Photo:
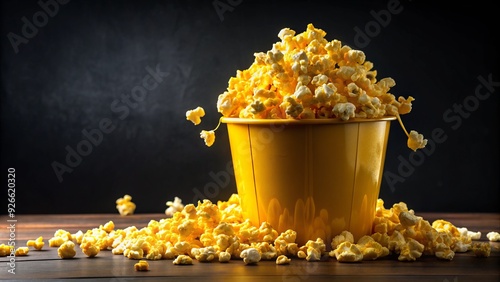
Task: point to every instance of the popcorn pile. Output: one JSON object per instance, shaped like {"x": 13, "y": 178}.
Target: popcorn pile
{"x": 304, "y": 76}
{"x": 219, "y": 232}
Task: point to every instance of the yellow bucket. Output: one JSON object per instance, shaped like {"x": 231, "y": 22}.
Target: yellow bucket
{"x": 317, "y": 177}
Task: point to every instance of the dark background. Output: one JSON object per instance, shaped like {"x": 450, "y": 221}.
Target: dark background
{"x": 66, "y": 77}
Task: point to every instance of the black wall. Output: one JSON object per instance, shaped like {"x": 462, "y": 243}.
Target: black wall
{"x": 69, "y": 70}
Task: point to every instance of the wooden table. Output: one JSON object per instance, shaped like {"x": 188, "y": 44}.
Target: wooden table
{"x": 45, "y": 264}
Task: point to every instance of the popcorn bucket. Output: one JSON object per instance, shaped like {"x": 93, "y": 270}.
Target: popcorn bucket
{"x": 318, "y": 177}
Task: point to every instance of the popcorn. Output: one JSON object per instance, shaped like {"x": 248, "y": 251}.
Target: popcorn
{"x": 347, "y": 252}
{"x": 344, "y": 236}
{"x": 125, "y": 206}
{"x": 493, "y": 236}
{"x": 142, "y": 265}
{"x": 37, "y": 244}
{"x": 411, "y": 250}
{"x": 6, "y": 250}
{"x": 89, "y": 246}
{"x": 183, "y": 260}
{"x": 224, "y": 256}
{"x": 174, "y": 206}
{"x": 22, "y": 251}
{"x": 66, "y": 250}
{"x": 481, "y": 249}
{"x": 208, "y": 136}
{"x": 195, "y": 115}
{"x": 282, "y": 259}
{"x": 371, "y": 249}
{"x": 470, "y": 234}
{"x": 204, "y": 254}
{"x": 315, "y": 249}
{"x": 305, "y": 76}
{"x": 60, "y": 236}
{"x": 250, "y": 256}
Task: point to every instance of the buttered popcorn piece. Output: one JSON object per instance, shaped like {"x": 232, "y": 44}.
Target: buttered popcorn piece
{"x": 250, "y": 256}
{"x": 22, "y": 251}
{"x": 5, "y": 250}
{"x": 208, "y": 137}
{"x": 66, "y": 250}
{"x": 60, "y": 236}
{"x": 305, "y": 76}
{"x": 282, "y": 259}
{"x": 347, "y": 252}
{"x": 493, "y": 236}
{"x": 125, "y": 206}
{"x": 195, "y": 115}
{"x": 481, "y": 249}
{"x": 37, "y": 244}
{"x": 183, "y": 260}
{"x": 142, "y": 265}
{"x": 174, "y": 206}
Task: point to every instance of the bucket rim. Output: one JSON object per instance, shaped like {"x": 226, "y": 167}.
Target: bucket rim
{"x": 234, "y": 120}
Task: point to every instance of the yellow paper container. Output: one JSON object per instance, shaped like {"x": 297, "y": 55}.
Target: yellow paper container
{"x": 317, "y": 177}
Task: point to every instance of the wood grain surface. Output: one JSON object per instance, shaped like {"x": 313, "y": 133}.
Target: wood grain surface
{"x": 46, "y": 265}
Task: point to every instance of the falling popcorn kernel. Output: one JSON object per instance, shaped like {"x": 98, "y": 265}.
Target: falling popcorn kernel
{"x": 125, "y": 206}
{"x": 195, "y": 115}
{"x": 305, "y": 76}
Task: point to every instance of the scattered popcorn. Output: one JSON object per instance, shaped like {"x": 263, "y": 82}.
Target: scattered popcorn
{"x": 315, "y": 249}
{"x": 66, "y": 250}
{"x": 125, "y": 206}
{"x": 493, "y": 236}
{"x": 195, "y": 115}
{"x": 209, "y": 231}
{"x": 142, "y": 265}
{"x": 22, "y": 251}
{"x": 174, "y": 206}
{"x": 5, "y": 250}
{"x": 481, "y": 249}
{"x": 37, "y": 244}
{"x": 250, "y": 256}
{"x": 305, "y": 76}
{"x": 282, "y": 259}
{"x": 471, "y": 234}
{"x": 208, "y": 136}
{"x": 371, "y": 249}
{"x": 183, "y": 260}
{"x": 224, "y": 256}
{"x": 89, "y": 246}
{"x": 60, "y": 236}
{"x": 347, "y": 252}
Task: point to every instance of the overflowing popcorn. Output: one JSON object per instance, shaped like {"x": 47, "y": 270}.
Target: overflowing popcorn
{"x": 66, "y": 250}
{"x": 174, "y": 206}
{"x": 37, "y": 244}
{"x": 142, "y": 265}
{"x": 125, "y": 206}
{"x": 305, "y": 76}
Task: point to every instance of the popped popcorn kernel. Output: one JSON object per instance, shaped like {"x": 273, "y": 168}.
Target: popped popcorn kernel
{"x": 344, "y": 236}
{"x": 125, "y": 206}
{"x": 411, "y": 250}
{"x": 142, "y": 265}
{"x": 37, "y": 244}
{"x": 493, "y": 236}
{"x": 89, "y": 246}
{"x": 208, "y": 137}
{"x": 305, "y": 76}
{"x": 195, "y": 115}
{"x": 282, "y": 259}
{"x": 5, "y": 250}
{"x": 481, "y": 249}
{"x": 250, "y": 256}
{"x": 174, "y": 206}
{"x": 347, "y": 252}
{"x": 315, "y": 249}
{"x": 183, "y": 260}
{"x": 22, "y": 251}
{"x": 66, "y": 250}
{"x": 371, "y": 249}
{"x": 224, "y": 257}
